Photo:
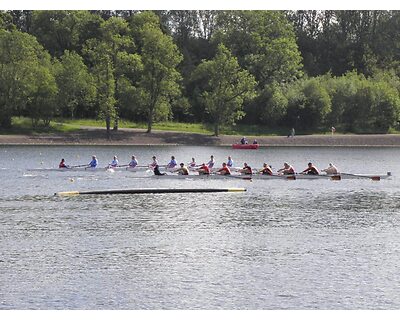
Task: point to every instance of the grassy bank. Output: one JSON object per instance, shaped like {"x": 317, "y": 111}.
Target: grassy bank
{"x": 22, "y": 125}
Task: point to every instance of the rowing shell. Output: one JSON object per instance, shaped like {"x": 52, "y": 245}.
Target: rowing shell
{"x": 172, "y": 175}
{"x": 99, "y": 169}
{"x": 341, "y": 176}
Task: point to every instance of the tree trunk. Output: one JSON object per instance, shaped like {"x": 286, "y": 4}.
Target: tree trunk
{"x": 108, "y": 125}
{"x": 216, "y": 129}
{"x": 150, "y": 120}
{"x": 116, "y": 124}
{"x": 5, "y": 121}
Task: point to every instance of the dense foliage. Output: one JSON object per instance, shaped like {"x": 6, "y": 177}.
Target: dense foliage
{"x": 305, "y": 69}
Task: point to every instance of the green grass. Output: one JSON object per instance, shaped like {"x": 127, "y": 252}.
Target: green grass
{"x": 22, "y": 125}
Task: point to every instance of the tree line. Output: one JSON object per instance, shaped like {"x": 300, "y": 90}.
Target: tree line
{"x": 305, "y": 69}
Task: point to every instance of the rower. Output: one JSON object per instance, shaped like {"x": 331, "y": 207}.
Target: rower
{"x": 211, "y": 163}
{"x": 331, "y": 169}
{"x": 157, "y": 172}
{"x": 204, "y": 169}
{"x": 267, "y": 170}
{"x": 229, "y": 162}
{"x": 224, "y": 170}
{"x": 311, "y": 169}
{"x": 62, "y": 164}
{"x": 244, "y": 141}
{"x": 255, "y": 141}
{"x": 246, "y": 169}
{"x": 287, "y": 169}
{"x": 172, "y": 164}
{"x": 154, "y": 163}
{"x": 133, "y": 162}
{"x": 114, "y": 163}
{"x": 182, "y": 170}
{"x": 94, "y": 162}
{"x": 192, "y": 163}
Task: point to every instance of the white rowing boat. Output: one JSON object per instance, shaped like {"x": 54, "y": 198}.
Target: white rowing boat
{"x": 193, "y": 174}
{"x": 101, "y": 169}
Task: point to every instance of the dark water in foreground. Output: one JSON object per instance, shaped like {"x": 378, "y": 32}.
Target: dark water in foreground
{"x": 280, "y": 245}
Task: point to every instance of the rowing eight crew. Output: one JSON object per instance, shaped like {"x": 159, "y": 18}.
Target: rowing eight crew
{"x": 246, "y": 170}
{"x": 205, "y": 167}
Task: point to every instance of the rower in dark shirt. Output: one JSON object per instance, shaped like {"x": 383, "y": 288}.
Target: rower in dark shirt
{"x": 157, "y": 171}
{"x": 246, "y": 169}
{"x": 266, "y": 170}
{"x": 311, "y": 169}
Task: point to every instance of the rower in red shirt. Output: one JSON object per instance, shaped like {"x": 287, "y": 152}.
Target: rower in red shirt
{"x": 62, "y": 164}
{"x": 204, "y": 169}
{"x": 224, "y": 170}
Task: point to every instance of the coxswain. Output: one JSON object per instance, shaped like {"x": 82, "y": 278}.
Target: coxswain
{"x": 183, "y": 170}
{"x": 287, "y": 169}
{"x": 331, "y": 169}
{"x": 211, "y": 163}
{"x": 114, "y": 163}
{"x": 62, "y": 164}
{"x": 133, "y": 162}
{"x": 266, "y": 170}
{"x": 204, "y": 169}
{"x": 93, "y": 163}
{"x": 172, "y": 164}
{"x": 224, "y": 170}
{"x": 246, "y": 169}
{"x": 157, "y": 172}
{"x": 154, "y": 163}
{"x": 192, "y": 163}
{"x": 311, "y": 169}
{"x": 229, "y": 163}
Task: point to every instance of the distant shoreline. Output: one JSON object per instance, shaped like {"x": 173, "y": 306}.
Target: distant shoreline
{"x": 132, "y": 137}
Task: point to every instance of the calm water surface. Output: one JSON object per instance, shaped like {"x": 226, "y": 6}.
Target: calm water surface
{"x": 280, "y": 245}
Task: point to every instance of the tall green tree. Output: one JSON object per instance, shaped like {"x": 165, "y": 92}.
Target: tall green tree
{"x": 59, "y": 30}
{"x": 23, "y": 74}
{"x": 264, "y": 43}
{"x": 42, "y": 104}
{"x": 226, "y": 88}
{"x": 159, "y": 82}
{"x": 75, "y": 83}
{"x": 107, "y": 56}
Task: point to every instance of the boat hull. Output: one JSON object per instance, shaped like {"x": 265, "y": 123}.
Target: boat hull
{"x": 245, "y": 146}
{"x": 170, "y": 174}
{"x": 376, "y": 177}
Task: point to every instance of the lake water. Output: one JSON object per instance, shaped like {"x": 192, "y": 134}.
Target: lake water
{"x": 304, "y": 244}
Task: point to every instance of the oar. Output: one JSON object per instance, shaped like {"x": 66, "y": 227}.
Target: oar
{"x": 79, "y": 166}
{"x": 375, "y": 178}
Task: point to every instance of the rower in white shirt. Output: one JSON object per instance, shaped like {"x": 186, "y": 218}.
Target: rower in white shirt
{"x": 229, "y": 163}
{"x": 210, "y": 164}
{"x": 133, "y": 162}
{"x": 172, "y": 164}
{"x": 114, "y": 163}
{"x": 331, "y": 169}
{"x": 192, "y": 163}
